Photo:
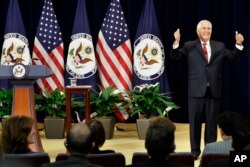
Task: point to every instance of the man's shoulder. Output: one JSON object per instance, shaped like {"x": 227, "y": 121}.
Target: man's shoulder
{"x": 214, "y": 143}
{"x": 193, "y": 42}
{"x": 197, "y": 41}
{"x": 189, "y": 45}
{"x": 218, "y": 43}
{"x": 55, "y": 164}
{"x": 218, "y": 147}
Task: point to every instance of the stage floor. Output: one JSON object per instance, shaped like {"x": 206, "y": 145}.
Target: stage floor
{"x": 126, "y": 141}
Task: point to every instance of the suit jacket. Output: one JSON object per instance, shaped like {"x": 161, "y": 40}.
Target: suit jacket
{"x": 155, "y": 163}
{"x": 199, "y": 71}
{"x": 219, "y": 147}
{"x": 72, "y": 161}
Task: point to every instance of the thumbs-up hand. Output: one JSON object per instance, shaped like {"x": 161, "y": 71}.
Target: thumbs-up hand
{"x": 239, "y": 38}
{"x": 177, "y": 36}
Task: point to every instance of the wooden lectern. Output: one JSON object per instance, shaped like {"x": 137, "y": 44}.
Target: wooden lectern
{"x": 23, "y": 77}
{"x": 85, "y": 90}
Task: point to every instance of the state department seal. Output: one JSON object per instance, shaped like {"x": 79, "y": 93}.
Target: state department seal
{"x": 81, "y": 61}
{"x": 15, "y": 50}
{"x": 148, "y": 57}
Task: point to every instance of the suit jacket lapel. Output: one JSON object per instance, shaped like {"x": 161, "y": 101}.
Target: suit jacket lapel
{"x": 213, "y": 46}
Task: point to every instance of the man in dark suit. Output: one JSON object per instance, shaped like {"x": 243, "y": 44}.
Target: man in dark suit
{"x": 78, "y": 144}
{"x": 205, "y": 58}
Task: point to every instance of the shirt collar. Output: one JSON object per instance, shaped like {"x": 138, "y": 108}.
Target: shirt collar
{"x": 208, "y": 42}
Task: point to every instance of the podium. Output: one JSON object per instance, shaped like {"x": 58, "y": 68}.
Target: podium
{"x": 23, "y": 78}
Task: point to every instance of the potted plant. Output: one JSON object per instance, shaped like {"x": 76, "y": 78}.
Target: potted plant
{"x": 147, "y": 101}
{"x": 52, "y": 104}
{"x": 6, "y": 98}
{"x": 104, "y": 104}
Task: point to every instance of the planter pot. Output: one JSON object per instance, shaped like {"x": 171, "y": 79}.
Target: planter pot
{"x": 109, "y": 126}
{"x": 54, "y": 128}
{"x": 142, "y": 127}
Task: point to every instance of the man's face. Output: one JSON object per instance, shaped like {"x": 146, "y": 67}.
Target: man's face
{"x": 205, "y": 31}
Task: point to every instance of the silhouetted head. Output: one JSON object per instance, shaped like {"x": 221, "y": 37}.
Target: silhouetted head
{"x": 227, "y": 121}
{"x": 241, "y": 135}
{"x": 78, "y": 139}
{"x": 159, "y": 140}
{"x": 97, "y": 132}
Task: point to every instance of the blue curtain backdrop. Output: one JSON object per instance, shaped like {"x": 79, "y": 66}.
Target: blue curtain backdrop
{"x": 227, "y": 16}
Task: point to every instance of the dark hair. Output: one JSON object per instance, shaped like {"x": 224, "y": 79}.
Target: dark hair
{"x": 15, "y": 133}
{"x": 227, "y": 121}
{"x": 97, "y": 132}
{"x": 241, "y": 135}
{"x": 159, "y": 140}
{"x": 78, "y": 139}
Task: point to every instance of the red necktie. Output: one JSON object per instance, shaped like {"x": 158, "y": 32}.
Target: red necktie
{"x": 204, "y": 48}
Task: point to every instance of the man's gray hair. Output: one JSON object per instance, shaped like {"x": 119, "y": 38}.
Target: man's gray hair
{"x": 202, "y": 22}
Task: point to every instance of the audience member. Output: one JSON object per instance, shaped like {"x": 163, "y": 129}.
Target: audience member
{"x": 17, "y": 135}
{"x": 241, "y": 135}
{"x": 226, "y": 122}
{"x": 240, "y": 141}
{"x": 78, "y": 143}
{"x": 159, "y": 143}
{"x": 98, "y": 137}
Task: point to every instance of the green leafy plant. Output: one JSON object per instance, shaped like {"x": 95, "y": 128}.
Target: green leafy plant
{"x": 52, "y": 103}
{"x": 6, "y": 97}
{"x": 106, "y": 101}
{"x": 146, "y": 100}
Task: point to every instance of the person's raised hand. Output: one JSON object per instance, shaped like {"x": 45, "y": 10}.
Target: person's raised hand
{"x": 177, "y": 36}
{"x": 239, "y": 38}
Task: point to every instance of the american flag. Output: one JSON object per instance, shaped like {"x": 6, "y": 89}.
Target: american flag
{"x": 113, "y": 50}
{"x": 114, "y": 54}
{"x": 48, "y": 48}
